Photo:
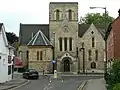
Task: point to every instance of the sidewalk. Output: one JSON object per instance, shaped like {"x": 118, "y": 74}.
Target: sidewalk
{"x": 17, "y": 81}
{"x": 95, "y": 84}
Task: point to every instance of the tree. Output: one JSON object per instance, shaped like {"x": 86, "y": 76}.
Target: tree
{"x": 96, "y": 18}
{"x": 11, "y": 37}
{"x": 114, "y": 76}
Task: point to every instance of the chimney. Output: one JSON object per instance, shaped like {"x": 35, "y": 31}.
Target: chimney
{"x": 119, "y": 12}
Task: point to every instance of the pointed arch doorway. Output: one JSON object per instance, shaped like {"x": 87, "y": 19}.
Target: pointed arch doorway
{"x": 67, "y": 64}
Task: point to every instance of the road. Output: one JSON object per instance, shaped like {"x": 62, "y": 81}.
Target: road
{"x": 62, "y": 83}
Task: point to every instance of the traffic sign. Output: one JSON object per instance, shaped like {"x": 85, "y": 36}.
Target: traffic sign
{"x": 54, "y": 61}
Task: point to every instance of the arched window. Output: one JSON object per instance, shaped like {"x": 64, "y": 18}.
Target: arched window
{"x": 89, "y": 53}
{"x": 93, "y": 42}
{"x": 65, "y": 44}
{"x": 57, "y": 14}
{"x": 37, "y": 55}
{"x": 41, "y": 55}
{"x": 70, "y": 44}
{"x": 60, "y": 44}
{"x": 96, "y": 56}
{"x": 70, "y": 14}
{"x": 93, "y": 65}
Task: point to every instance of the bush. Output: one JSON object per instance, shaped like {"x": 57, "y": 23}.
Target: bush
{"x": 114, "y": 75}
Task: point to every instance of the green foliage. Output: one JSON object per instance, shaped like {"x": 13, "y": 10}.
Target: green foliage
{"x": 114, "y": 76}
{"x": 96, "y": 18}
{"x": 117, "y": 86}
{"x": 11, "y": 37}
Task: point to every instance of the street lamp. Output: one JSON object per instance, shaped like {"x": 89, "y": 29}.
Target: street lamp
{"x": 54, "y": 61}
{"x": 83, "y": 49}
{"x": 104, "y": 37}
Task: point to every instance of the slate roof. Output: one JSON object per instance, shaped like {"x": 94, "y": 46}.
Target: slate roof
{"x": 82, "y": 28}
{"x": 26, "y": 31}
{"x": 63, "y": 2}
{"x": 39, "y": 39}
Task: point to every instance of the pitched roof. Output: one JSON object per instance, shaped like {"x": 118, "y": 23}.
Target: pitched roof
{"x": 39, "y": 39}
{"x": 27, "y": 30}
{"x": 82, "y": 28}
{"x": 1, "y": 26}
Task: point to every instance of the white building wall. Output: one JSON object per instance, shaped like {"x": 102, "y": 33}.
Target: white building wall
{"x": 4, "y": 52}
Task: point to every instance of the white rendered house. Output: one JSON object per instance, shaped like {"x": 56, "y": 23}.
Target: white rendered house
{"x": 6, "y": 55}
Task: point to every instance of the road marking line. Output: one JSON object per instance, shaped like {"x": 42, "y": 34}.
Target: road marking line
{"x": 82, "y": 85}
{"x": 49, "y": 88}
{"x": 20, "y": 85}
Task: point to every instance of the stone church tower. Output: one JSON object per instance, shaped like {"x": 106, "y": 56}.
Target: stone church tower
{"x": 63, "y": 28}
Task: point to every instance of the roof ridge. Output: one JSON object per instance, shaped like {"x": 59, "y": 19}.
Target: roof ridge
{"x": 43, "y": 37}
{"x": 47, "y": 39}
{"x": 35, "y": 38}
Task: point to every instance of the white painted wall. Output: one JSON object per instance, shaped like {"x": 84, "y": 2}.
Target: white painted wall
{"x": 4, "y": 52}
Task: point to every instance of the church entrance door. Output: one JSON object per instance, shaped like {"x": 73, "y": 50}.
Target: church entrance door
{"x": 66, "y": 65}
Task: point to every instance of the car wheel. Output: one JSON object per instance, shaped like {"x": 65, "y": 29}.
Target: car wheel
{"x": 36, "y": 77}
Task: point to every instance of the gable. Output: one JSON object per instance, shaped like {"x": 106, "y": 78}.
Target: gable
{"x": 28, "y": 30}
{"x": 3, "y": 34}
{"x": 39, "y": 39}
{"x": 83, "y": 28}
{"x": 94, "y": 31}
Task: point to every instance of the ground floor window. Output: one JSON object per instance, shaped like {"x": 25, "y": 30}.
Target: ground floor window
{"x": 9, "y": 70}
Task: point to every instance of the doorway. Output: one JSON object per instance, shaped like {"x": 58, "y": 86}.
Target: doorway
{"x": 66, "y": 65}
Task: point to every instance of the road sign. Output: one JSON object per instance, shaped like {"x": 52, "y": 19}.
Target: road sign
{"x": 54, "y": 61}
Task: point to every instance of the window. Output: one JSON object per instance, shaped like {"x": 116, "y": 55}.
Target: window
{"x": 65, "y": 44}
{"x": 37, "y": 55}
{"x": 27, "y": 54}
{"x": 60, "y": 44}
{"x": 57, "y": 14}
{"x": 9, "y": 59}
{"x": 70, "y": 14}
{"x": 0, "y": 57}
{"x": 9, "y": 70}
{"x": 93, "y": 42}
{"x": 93, "y": 65}
{"x": 89, "y": 53}
{"x": 70, "y": 44}
{"x": 41, "y": 55}
{"x": 96, "y": 55}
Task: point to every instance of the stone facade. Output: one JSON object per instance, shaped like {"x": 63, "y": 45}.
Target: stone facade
{"x": 40, "y": 65}
{"x": 63, "y": 30}
{"x": 99, "y": 45}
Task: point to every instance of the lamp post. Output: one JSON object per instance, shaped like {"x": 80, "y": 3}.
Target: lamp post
{"x": 77, "y": 49}
{"x": 54, "y": 61}
{"x": 83, "y": 49}
{"x": 104, "y": 37}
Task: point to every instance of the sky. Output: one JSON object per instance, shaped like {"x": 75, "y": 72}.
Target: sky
{"x": 14, "y": 12}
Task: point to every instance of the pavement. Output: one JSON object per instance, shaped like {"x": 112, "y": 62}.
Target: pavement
{"x": 95, "y": 84}
{"x": 17, "y": 81}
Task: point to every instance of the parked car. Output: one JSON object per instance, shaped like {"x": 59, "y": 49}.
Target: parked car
{"x": 31, "y": 73}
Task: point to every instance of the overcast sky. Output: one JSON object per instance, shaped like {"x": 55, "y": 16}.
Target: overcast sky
{"x": 14, "y": 12}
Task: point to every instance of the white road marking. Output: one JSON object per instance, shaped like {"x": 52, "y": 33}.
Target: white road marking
{"x": 49, "y": 88}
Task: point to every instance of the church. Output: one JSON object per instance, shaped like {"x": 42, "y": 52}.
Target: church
{"x": 63, "y": 44}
